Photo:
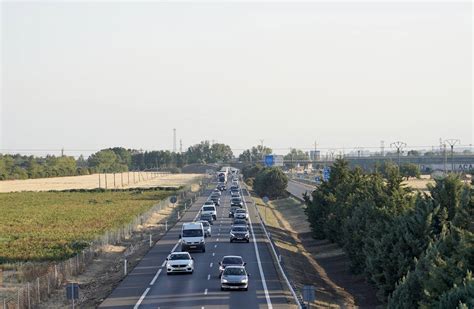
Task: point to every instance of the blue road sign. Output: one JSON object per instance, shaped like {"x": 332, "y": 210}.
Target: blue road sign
{"x": 269, "y": 160}
{"x": 317, "y": 179}
{"x": 173, "y": 199}
{"x": 265, "y": 199}
{"x": 326, "y": 173}
{"x": 308, "y": 293}
{"x": 72, "y": 291}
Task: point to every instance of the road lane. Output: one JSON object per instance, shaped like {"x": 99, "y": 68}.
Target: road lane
{"x": 297, "y": 189}
{"x": 202, "y": 289}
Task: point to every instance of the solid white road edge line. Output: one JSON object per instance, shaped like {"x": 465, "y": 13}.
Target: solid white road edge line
{"x": 257, "y": 254}
{"x": 156, "y": 276}
{"x": 209, "y": 277}
{"x": 210, "y": 265}
{"x": 205, "y": 292}
{"x": 164, "y": 263}
{"x": 141, "y": 298}
{"x": 276, "y": 256}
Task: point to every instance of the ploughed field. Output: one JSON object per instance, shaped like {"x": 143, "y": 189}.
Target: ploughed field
{"x": 45, "y": 226}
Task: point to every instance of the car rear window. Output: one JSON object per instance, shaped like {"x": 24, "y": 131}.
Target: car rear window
{"x": 234, "y": 271}
{"x": 181, "y": 256}
{"x": 239, "y": 229}
{"x": 232, "y": 261}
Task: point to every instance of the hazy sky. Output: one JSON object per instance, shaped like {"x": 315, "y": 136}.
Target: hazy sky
{"x": 89, "y": 75}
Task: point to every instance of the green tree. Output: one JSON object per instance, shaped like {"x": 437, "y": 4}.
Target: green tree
{"x": 410, "y": 170}
{"x": 255, "y": 154}
{"x": 271, "y": 182}
{"x": 103, "y": 161}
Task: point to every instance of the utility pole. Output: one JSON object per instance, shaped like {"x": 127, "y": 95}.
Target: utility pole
{"x": 62, "y": 152}
{"x": 180, "y": 146}
{"x": 315, "y": 149}
{"x": 382, "y": 148}
{"x": 399, "y": 146}
{"x": 261, "y": 149}
{"x": 451, "y": 142}
{"x": 174, "y": 140}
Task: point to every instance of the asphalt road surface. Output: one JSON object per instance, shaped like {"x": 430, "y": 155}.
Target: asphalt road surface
{"x": 298, "y": 189}
{"x": 148, "y": 286}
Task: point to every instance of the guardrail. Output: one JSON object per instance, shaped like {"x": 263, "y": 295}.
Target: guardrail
{"x": 277, "y": 258}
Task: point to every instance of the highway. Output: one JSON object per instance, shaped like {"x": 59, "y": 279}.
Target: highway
{"x": 148, "y": 286}
{"x": 298, "y": 189}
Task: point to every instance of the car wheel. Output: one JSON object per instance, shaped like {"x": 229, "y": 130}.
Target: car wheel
{"x": 222, "y": 289}
{"x": 167, "y": 273}
{"x": 203, "y": 249}
{"x": 246, "y": 289}
{"x": 248, "y": 240}
{"x": 231, "y": 240}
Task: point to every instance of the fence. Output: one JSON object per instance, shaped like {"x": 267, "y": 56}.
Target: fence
{"x": 32, "y": 293}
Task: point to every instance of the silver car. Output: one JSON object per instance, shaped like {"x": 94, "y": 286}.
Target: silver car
{"x": 235, "y": 278}
{"x": 206, "y": 226}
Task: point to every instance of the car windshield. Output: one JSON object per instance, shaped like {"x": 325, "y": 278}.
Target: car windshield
{"x": 209, "y": 208}
{"x": 236, "y": 200}
{"x": 239, "y": 229}
{"x": 181, "y": 256}
{"x": 234, "y": 271}
{"x": 206, "y": 216}
{"x": 192, "y": 233}
{"x": 240, "y": 210}
{"x": 232, "y": 261}
{"x": 240, "y": 222}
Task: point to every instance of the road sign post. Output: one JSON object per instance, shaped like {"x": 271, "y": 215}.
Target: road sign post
{"x": 72, "y": 292}
{"x": 308, "y": 294}
{"x": 265, "y": 199}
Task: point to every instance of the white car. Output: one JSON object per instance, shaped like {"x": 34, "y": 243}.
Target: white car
{"x": 179, "y": 262}
{"x": 207, "y": 227}
{"x": 209, "y": 209}
{"x": 241, "y": 214}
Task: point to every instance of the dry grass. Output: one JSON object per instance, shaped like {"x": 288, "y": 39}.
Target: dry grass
{"x": 122, "y": 180}
{"x": 420, "y": 184}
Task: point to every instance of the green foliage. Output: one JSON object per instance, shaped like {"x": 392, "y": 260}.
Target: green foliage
{"x": 111, "y": 160}
{"x": 255, "y": 154}
{"x": 410, "y": 170}
{"x": 204, "y": 152}
{"x": 296, "y": 154}
{"x": 23, "y": 167}
{"x": 271, "y": 182}
{"x": 251, "y": 171}
{"x": 413, "y": 248}
{"x": 44, "y": 226}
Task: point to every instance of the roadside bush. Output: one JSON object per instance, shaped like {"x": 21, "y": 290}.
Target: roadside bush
{"x": 271, "y": 182}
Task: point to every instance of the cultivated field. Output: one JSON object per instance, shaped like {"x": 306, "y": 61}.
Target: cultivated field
{"x": 40, "y": 226}
{"x": 122, "y": 180}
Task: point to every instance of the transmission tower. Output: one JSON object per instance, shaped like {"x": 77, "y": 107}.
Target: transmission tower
{"x": 451, "y": 142}
{"x": 399, "y": 146}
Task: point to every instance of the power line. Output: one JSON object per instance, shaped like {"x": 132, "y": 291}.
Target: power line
{"x": 399, "y": 146}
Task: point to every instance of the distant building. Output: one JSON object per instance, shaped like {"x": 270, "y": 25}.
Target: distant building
{"x": 315, "y": 155}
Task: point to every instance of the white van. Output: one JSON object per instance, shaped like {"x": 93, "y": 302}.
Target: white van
{"x": 209, "y": 209}
{"x": 192, "y": 237}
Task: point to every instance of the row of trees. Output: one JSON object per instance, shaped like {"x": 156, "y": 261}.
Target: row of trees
{"x": 23, "y": 167}
{"x": 110, "y": 160}
{"x": 417, "y": 249}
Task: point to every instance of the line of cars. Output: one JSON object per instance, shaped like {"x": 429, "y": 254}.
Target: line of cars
{"x": 232, "y": 272}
